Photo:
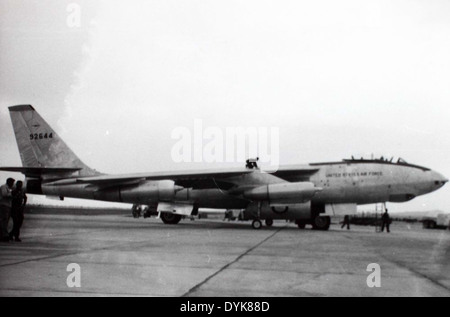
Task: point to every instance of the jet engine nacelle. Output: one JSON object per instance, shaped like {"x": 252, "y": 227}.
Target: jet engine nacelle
{"x": 150, "y": 191}
{"x": 283, "y": 193}
{"x": 142, "y": 193}
{"x": 264, "y": 210}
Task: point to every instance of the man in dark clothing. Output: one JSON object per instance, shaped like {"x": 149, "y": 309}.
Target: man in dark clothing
{"x": 346, "y": 222}
{"x": 385, "y": 222}
{"x": 5, "y": 208}
{"x": 19, "y": 200}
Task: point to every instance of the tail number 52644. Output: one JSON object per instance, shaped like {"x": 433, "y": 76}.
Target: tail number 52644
{"x": 41, "y": 136}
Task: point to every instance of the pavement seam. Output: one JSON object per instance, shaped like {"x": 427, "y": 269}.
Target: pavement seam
{"x": 54, "y": 256}
{"x": 417, "y": 273}
{"x": 196, "y": 287}
{"x": 80, "y": 292}
{"x": 424, "y": 276}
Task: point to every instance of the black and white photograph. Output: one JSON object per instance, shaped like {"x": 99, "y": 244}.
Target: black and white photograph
{"x": 224, "y": 154}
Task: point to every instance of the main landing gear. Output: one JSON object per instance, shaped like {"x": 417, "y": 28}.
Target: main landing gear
{"x": 257, "y": 224}
{"x": 321, "y": 223}
{"x": 170, "y": 218}
{"x": 318, "y": 223}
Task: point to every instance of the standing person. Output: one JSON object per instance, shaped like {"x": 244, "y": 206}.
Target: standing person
{"x": 19, "y": 200}
{"x": 346, "y": 222}
{"x": 385, "y": 222}
{"x": 5, "y": 208}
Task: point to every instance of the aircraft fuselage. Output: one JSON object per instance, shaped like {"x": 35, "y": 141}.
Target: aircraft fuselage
{"x": 359, "y": 182}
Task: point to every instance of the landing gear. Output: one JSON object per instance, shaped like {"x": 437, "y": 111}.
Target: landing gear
{"x": 136, "y": 211}
{"x": 170, "y": 218}
{"x": 321, "y": 223}
{"x": 269, "y": 222}
{"x": 300, "y": 224}
{"x": 256, "y": 224}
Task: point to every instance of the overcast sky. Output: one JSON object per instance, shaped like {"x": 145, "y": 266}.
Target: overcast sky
{"x": 338, "y": 78}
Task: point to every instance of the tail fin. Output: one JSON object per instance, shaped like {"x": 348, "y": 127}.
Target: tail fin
{"x": 39, "y": 145}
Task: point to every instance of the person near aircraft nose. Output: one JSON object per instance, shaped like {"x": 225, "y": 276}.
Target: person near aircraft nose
{"x": 346, "y": 222}
{"x": 385, "y": 222}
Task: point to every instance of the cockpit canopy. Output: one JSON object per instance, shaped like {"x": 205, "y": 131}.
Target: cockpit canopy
{"x": 381, "y": 159}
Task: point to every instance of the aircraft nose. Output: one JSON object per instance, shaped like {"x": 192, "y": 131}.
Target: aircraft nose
{"x": 440, "y": 180}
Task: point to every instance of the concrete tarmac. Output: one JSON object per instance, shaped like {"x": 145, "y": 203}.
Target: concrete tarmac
{"x": 122, "y": 256}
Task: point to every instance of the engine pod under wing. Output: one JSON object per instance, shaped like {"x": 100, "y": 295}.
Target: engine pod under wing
{"x": 283, "y": 193}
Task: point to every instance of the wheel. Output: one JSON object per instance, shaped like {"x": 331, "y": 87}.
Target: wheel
{"x": 169, "y": 218}
{"x": 269, "y": 222}
{"x": 300, "y": 224}
{"x": 256, "y": 224}
{"x": 321, "y": 223}
{"x": 134, "y": 211}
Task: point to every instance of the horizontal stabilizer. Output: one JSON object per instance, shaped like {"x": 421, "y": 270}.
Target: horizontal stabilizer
{"x": 36, "y": 172}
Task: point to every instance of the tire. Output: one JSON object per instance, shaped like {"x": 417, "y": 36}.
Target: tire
{"x": 269, "y": 222}
{"x": 169, "y": 218}
{"x": 256, "y": 224}
{"x": 300, "y": 224}
{"x": 321, "y": 223}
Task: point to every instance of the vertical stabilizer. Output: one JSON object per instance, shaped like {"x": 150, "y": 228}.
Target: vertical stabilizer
{"x": 39, "y": 145}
